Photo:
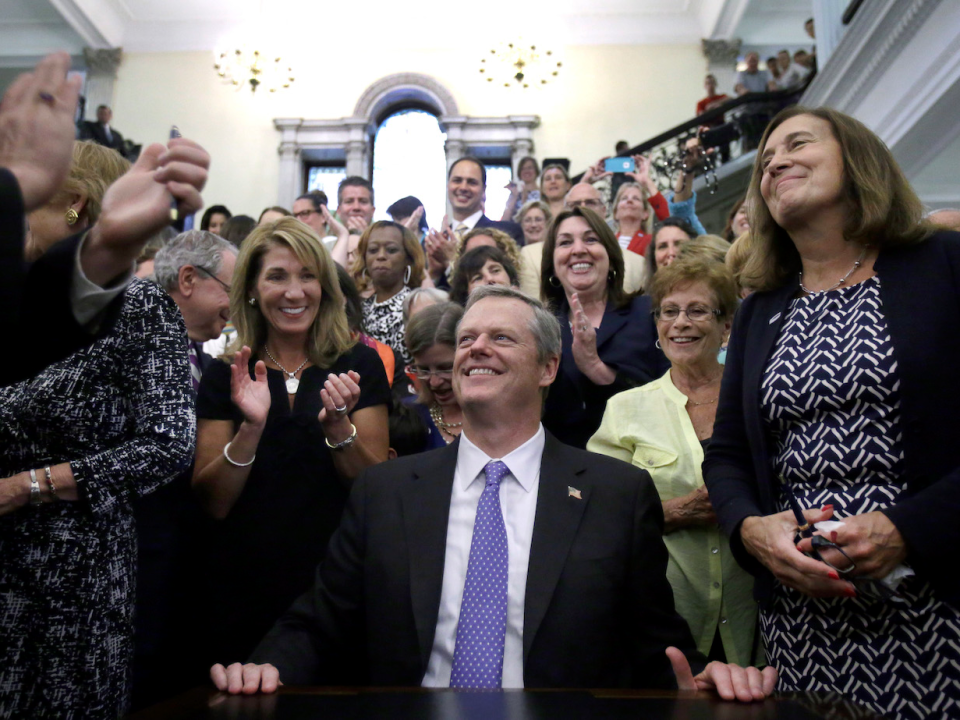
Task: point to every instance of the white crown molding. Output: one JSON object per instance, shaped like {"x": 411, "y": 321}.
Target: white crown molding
{"x": 720, "y": 19}
{"x": 98, "y": 22}
{"x": 22, "y": 43}
{"x": 871, "y": 44}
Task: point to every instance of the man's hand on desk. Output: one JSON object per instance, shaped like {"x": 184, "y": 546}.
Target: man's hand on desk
{"x": 731, "y": 682}
{"x": 247, "y": 679}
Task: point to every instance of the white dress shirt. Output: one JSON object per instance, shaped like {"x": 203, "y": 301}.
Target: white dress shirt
{"x": 518, "y": 502}
{"x": 470, "y": 222}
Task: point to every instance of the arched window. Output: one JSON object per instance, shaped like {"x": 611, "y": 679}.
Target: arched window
{"x": 409, "y": 159}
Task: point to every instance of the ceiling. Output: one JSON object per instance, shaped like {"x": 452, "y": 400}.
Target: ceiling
{"x": 30, "y": 28}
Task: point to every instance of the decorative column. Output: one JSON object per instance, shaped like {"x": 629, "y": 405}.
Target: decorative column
{"x": 101, "y": 75}
{"x": 828, "y": 27}
{"x": 291, "y": 169}
{"x": 358, "y": 147}
{"x": 721, "y": 58}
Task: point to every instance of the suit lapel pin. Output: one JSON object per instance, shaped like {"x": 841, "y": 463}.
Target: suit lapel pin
{"x": 573, "y": 492}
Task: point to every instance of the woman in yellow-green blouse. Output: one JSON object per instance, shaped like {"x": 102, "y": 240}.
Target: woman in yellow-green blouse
{"x": 664, "y": 427}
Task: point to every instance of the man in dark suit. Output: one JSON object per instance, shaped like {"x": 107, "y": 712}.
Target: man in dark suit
{"x": 101, "y": 132}
{"x": 504, "y": 560}
{"x": 466, "y": 190}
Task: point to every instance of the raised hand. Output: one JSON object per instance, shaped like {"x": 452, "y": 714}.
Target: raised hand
{"x": 596, "y": 172}
{"x": 37, "y": 130}
{"x": 336, "y": 227}
{"x": 731, "y": 682}
{"x": 356, "y": 225}
{"x": 413, "y": 222}
{"x": 339, "y": 397}
{"x": 252, "y": 397}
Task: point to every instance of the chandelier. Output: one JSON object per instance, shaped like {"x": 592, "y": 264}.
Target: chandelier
{"x": 517, "y": 64}
{"x": 242, "y": 66}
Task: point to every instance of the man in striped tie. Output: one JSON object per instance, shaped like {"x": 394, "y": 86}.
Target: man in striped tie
{"x": 196, "y": 269}
{"x": 504, "y": 560}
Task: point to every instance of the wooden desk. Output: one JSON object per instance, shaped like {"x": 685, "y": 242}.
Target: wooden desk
{"x": 418, "y": 704}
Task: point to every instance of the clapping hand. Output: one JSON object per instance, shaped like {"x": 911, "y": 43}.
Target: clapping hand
{"x": 37, "y": 130}
{"x": 336, "y": 227}
{"x": 251, "y": 396}
{"x": 731, "y": 682}
{"x": 339, "y": 397}
{"x": 413, "y": 222}
{"x": 356, "y": 225}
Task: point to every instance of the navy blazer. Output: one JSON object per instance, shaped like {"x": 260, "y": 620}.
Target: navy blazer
{"x": 510, "y": 228}
{"x": 598, "y": 610}
{"x": 626, "y": 341}
{"x": 920, "y": 294}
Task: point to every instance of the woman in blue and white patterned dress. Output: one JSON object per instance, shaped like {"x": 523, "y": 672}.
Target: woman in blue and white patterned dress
{"x": 830, "y": 406}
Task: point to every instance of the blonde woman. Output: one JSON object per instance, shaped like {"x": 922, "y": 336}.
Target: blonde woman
{"x": 282, "y": 431}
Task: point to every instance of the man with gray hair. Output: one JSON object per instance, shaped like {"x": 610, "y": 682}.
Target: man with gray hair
{"x": 504, "y": 560}
{"x": 196, "y": 269}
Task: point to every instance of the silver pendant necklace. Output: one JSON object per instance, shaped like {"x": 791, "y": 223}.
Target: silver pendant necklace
{"x": 291, "y": 382}
{"x": 857, "y": 264}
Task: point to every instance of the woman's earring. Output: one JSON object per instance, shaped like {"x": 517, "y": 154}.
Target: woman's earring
{"x": 406, "y": 275}
{"x": 252, "y": 301}
{"x": 554, "y": 281}
{"x": 657, "y": 343}
{"x": 72, "y": 216}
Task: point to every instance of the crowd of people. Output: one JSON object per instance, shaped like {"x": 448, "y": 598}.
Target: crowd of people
{"x": 586, "y": 444}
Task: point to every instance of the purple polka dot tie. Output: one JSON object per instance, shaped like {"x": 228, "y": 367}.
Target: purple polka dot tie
{"x": 478, "y": 655}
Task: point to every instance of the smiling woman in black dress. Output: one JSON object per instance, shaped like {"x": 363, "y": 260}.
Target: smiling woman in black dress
{"x": 282, "y": 432}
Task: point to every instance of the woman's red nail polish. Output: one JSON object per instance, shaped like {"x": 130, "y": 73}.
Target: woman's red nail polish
{"x": 851, "y": 592}
{"x": 826, "y": 508}
{"x": 833, "y": 536}
{"x": 833, "y": 575}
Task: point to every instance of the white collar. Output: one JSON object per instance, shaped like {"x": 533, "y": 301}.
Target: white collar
{"x": 470, "y": 222}
{"x": 524, "y": 462}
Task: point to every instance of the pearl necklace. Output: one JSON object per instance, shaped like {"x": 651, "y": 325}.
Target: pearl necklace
{"x": 291, "y": 382}
{"x": 856, "y": 265}
{"x": 436, "y": 414}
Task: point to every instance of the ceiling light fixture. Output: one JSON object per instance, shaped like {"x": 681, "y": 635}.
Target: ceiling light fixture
{"x": 518, "y": 64}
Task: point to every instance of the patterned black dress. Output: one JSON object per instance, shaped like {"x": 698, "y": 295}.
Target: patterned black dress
{"x": 384, "y": 321}
{"x": 831, "y": 399}
{"x": 121, "y": 413}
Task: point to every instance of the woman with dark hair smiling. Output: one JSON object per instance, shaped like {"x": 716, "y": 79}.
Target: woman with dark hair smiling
{"x": 483, "y": 265}
{"x": 214, "y": 217}
{"x": 608, "y": 336}
{"x": 832, "y": 409}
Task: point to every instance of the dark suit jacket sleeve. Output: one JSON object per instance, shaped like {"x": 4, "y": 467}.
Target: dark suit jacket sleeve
{"x": 46, "y": 321}
{"x": 728, "y": 468}
{"x": 320, "y": 638}
{"x": 12, "y": 269}
{"x": 510, "y": 228}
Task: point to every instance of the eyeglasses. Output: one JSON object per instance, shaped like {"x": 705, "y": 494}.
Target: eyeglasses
{"x": 695, "y": 313}
{"x": 422, "y": 373}
{"x": 210, "y": 274}
{"x": 592, "y": 204}
{"x": 304, "y": 214}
